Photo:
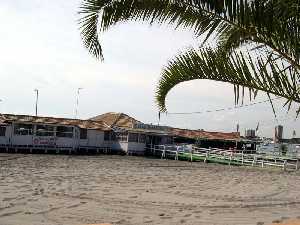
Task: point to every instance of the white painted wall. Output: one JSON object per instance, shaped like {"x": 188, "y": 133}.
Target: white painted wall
{"x": 9, "y": 134}
{"x": 95, "y": 138}
{"x": 138, "y": 148}
{"x": 3, "y": 140}
{"x": 83, "y": 142}
{"x": 21, "y": 139}
{"x": 65, "y": 142}
{"x": 116, "y": 145}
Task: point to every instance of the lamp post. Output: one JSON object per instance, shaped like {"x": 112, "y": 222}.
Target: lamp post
{"x": 77, "y": 102}
{"x": 36, "y": 101}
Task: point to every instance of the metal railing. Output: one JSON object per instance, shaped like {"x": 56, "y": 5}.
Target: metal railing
{"x": 230, "y": 157}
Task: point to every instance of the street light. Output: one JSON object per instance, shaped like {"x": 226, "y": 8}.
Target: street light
{"x": 36, "y": 101}
{"x": 77, "y": 102}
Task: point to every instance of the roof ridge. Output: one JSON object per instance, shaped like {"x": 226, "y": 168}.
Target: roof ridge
{"x": 117, "y": 118}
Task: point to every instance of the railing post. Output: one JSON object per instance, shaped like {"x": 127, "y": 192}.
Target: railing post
{"x": 163, "y": 154}
{"x": 230, "y": 158}
{"x": 254, "y": 161}
{"x": 297, "y": 164}
{"x": 242, "y": 157}
{"x": 284, "y": 165}
{"x": 206, "y": 155}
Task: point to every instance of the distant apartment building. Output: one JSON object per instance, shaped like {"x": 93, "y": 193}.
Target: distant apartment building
{"x": 278, "y": 133}
{"x": 250, "y": 133}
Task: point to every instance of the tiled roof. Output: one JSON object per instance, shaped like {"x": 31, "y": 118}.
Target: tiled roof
{"x": 116, "y": 119}
{"x": 205, "y": 134}
{"x": 86, "y": 124}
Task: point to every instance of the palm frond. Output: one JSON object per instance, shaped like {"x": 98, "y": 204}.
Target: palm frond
{"x": 99, "y": 15}
{"x": 241, "y": 69}
{"x": 275, "y": 23}
{"x": 272, "y": 26}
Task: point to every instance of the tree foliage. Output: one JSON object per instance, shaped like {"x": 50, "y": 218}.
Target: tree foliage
{"x": 257, "y": 41}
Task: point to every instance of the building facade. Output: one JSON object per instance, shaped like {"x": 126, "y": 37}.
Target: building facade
{"x": 22, "y": 132}
{"x": 278, "y": 133}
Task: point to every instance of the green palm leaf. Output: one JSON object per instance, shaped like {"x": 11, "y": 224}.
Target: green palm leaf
{"x": 270, "y": 27}
{"x": 239, "y": 69}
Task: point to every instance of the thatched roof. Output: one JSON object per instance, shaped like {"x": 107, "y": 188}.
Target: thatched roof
{"x": 201, "y": 134}
{"x": 112, "y": 119}
{"x": 86, "y": 124}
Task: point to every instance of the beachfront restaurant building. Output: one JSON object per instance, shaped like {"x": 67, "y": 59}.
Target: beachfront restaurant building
{"x": 208, "y": 139}
{"x": 110, "y": 132}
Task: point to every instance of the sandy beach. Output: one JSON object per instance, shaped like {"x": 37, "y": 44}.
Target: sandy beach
{"x": 76, "y": 190}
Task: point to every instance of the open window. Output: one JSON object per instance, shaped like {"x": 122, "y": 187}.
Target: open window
{"x": 44, "y": 130}
{"x": 83, "y": 133}
{"x": 23, "y": 129}
{"x": 62, "y": 131}
{"x": 142, "y": 138}
{"x": 2, "y": 131}
{"x": 133, "y": 137}
{"x": 110, "y": 136}
{"x": 122, "y": 136}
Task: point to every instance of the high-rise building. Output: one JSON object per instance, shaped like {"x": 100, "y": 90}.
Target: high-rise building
{"x": 250, "y": 133}
{"x": 278, "y": 133}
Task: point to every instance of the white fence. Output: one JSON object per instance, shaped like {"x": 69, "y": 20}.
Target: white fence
{"x": 223, "y": 156}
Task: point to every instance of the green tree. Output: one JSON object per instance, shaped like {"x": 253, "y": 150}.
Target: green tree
{"x": 256, "y": 42}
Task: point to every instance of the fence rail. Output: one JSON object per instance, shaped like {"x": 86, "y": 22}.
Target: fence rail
{"x": 223, "y": 156}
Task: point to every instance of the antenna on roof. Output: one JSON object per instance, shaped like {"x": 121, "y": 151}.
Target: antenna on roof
{"x": 159, "y": 117}
{"x": 36, "y": 101}
{"x": 77, "y": 102}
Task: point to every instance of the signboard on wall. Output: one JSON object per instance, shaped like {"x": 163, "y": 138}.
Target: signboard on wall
{"x": 44, "y": 140}
{"x": 149, "y": 127}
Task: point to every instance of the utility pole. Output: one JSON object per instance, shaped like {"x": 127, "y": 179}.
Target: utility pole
{"x": 77, "y": 102}
{"x": 36, "y": 101}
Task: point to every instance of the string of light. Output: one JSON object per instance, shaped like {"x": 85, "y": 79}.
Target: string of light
{"x": 223, "y": 109}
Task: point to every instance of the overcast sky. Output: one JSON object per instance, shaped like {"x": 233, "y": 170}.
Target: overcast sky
{"x": 41, "y": 48}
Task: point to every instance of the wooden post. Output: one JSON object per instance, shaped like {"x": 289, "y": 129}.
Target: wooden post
{"x": 297, "y": 164}
{"x": 284, "y": 165}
